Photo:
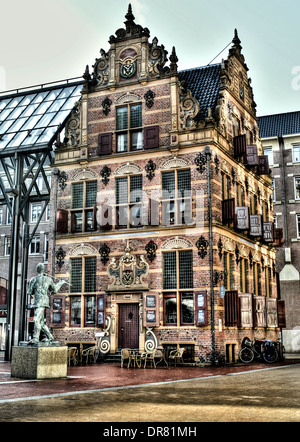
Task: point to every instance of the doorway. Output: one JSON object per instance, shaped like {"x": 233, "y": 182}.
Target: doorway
{"x": 129, "y": 325}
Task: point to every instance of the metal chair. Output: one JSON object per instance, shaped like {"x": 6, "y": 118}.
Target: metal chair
{"x": 177, "y": 355}
{"x": 72, "y": 355}
{"x": 89, "y": 354}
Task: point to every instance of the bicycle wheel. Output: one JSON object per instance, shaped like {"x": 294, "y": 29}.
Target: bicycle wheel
{"x": 246, "y": 355}
{"x": 270, "y": 355}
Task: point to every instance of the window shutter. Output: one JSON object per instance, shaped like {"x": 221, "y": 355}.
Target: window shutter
{"x": 278, "y": 236}
{"x": 246, "y": 305}
{"x": 239, "y": 143}
{"x": 201, "y": 308}
{"x": 252, "y": 156}
{"x": 242, "y": 218}
{"x": 106, "y": 214}
{"x": 268, "y": 231}
{"x": 272, "y": 318}
{"x": 100, "y": 310}
{"x": 263, "y": 165}
{"x": 62, "y": 221}
{"x": 95, "y": 217}
{"x": 151, "y": 310}
{"x": 260, "y": 311}
{"x": 57, "y": 311}
{"x": 151, "y": 137}
{"x": 281, "y": 313}
{"x": 232, "y": 309}
{"x": 153, "y": 212}
{"x": 228, "y": 211}
{"x": 255, "y": 225}
{"x": 105, "y": 144}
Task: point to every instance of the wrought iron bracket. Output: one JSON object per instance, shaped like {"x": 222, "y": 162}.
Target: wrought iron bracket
{"x": 60, "y": 257}
{"x": 202, "y": 246}
{"x": 151, "y": 248}
{"x": 104, "y": 253}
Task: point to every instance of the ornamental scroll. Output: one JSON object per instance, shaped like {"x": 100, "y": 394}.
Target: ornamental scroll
{"x": 128, "y": 274}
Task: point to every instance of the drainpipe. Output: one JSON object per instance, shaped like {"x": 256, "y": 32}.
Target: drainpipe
{"x": 56, "y": 174}
{"x": 207, "y": 152}
{"x": 281, "y": 148}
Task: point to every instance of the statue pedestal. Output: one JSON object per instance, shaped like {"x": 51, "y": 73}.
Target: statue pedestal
{"x": 39, "y": 362}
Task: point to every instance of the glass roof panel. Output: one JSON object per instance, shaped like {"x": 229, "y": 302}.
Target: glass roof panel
{"x": 29, "y": 118}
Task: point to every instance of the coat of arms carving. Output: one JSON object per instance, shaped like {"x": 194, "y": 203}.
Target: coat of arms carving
{"x": 128, "y": 274}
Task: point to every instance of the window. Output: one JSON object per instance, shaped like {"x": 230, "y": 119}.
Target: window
{"x": 7, "y": 246}
{"x": 240, "y": 195}
{"x": 178, "y": 286}
{"x": 129, "y": 201}
{"x": 46, "y": 247}
{"x": 243, "y": 275}
{"x": 228, "y": 271}
{"x": 298, "y": 225}
{"x": 296, "y": 154}
{"x": 35, "y": 245}
{"x": 176, "y": 197}
{"x": 83, "y": 281}
{"x": 268, "y": 151}
{"x": 84, "y": 200}
{"x": 1, "y": 215}
{"x": 129, "y": 128}
{"x": 256, "y": 279}
{"x": 35, "y": 212}
{"x": 297, "y": 188}
{"x": 226, "y": 184}
{"x": 253, "y": 204}
{"x": 8, "y": 214}
{"x": 274, "y": 190}
{"x": 268, "y": 276}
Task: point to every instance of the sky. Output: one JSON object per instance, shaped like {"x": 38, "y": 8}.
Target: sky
{"x": 44, "y": 41}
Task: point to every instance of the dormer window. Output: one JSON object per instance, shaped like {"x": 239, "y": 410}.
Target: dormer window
{"x": 129, "y": 128}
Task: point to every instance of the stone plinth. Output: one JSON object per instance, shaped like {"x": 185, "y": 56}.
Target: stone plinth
{"x": 39, "y": 362}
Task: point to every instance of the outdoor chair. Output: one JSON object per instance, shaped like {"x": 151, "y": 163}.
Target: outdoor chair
{"x": 177, "y": 355}
{"x": 125, "y": 356}
{"x": 89, "y": 354}
{"x": 72, "y": 355}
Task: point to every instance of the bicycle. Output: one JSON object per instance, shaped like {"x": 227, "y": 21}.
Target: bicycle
{"x": 258, "y": 349}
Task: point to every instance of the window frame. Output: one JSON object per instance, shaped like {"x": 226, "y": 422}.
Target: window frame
{"x": 177, "y": 292}
{"x": 268, "y": 152}
{"x": 178, "y": 199}
{"x": 34, "y": 245}
{"x": 129, "y": 205}
{"x": 130, "y": 130}
{"x": 84, "y": 211}
{"x": 296, "y": 178}
{"x": 38, "y": 213}
{"x": 296, "y": 146}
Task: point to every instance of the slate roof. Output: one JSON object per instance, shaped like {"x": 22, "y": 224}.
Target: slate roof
{"x": 279, "y": 124}
{"x": 204, "y": 83}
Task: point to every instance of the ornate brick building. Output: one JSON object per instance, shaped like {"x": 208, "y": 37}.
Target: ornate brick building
{"x": 163, "y": 197}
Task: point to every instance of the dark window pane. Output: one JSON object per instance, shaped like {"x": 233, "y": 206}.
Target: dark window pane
{"x": 170, "y": 309}
{"x": 91, "y": 193}
{"x": 186, "y": 269}
{"x": 76, "y": 275}
{"x": 90, "y": 310}
{"x": 169, "y": 270}
{"x": 77, "y": 196}
{"x": 90, "y": 274}
{"x": 136, "y": 115}
{"x": 121, "y": 191}
{"x": 187, "y": 308}
{"x": 122, "y": 118}
{"x": 168, "y": 185}
{"x": 76, "y": 310}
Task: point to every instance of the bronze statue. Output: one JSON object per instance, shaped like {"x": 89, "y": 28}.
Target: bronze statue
{"x": 39, "y": 287}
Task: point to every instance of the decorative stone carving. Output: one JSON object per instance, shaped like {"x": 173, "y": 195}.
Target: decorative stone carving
{"x": 104, "y": 344}
{"x": 72, "y": 129}
{"x": 128, "y": 274}
{"x": 101, "y": 69}
{"x": 128, "y": 98}
{"x": 131, "y": 30}
{"x": 150, "y": 344}
{"x": 157, "y": 59}
{"x": 83, "y": 249}
{"x": 189, "y": 107}
{"x": 84, "y": 175}
{"x": 176, "y": 243}
{"x": 127, "y": 169}
{"x": 175, "y": 163}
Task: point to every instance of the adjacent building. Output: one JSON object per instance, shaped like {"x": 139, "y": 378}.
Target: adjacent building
{"x": 280, "y": 135}
{"x": 162, "y": 207}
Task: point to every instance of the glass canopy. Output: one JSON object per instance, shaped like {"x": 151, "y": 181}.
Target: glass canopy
{"x": 33, "y": 118}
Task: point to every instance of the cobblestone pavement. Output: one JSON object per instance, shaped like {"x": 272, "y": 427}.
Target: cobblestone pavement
{"x": 106, "y": 393}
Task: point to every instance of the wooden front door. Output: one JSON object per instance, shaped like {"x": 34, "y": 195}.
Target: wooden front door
{"x": 129, "y": 325}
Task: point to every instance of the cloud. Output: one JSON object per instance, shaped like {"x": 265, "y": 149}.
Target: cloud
{"x": 139, "y": 10}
